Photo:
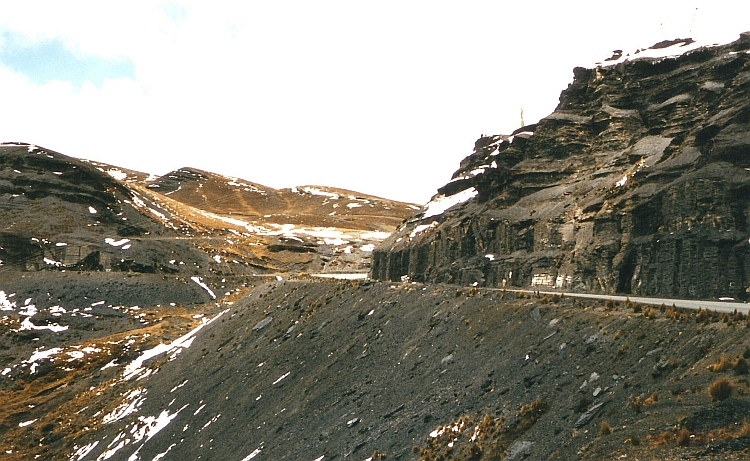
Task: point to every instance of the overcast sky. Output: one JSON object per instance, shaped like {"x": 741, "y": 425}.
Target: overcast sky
{"x": 380, "y": 97}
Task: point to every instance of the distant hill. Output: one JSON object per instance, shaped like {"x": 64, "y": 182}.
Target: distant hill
{"x": 303, "y": 205}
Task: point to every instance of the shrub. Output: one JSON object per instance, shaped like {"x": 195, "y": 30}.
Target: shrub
{"x": 741, "y": 366}
{"x": 683, "y": 438}
{"x": 721, "y": 389}
{"x": 605, "y": 428}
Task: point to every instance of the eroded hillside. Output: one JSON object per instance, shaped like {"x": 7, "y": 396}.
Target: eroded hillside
{"x": 331, "y": 370}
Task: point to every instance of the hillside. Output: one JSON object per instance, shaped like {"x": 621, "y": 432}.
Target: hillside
{"x": 191, "y": 316}
{"x": 330, "y": 370}
{"x": 637, "y": 183}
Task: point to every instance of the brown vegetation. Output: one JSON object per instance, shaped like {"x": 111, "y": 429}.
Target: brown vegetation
{"x": 721, "y": 389}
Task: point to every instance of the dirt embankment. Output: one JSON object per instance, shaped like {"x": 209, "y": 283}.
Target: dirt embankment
{"x": 300, "y": 370}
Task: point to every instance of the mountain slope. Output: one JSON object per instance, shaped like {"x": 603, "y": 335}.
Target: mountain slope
{"x": 312, "y": 370}
{"x": 637, "y": 183}
{"x": 60, "y": 212}
{"x": 305, "y": 205}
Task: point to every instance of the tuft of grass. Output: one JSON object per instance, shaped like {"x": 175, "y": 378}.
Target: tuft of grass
{"x": 724, "y": 363}
{"x": 636, "y": 404}
{"x": 652, "y": 399}
{"x": 683, "y": 438}
{"x": 721, "y": 389}
{"x": 531, "y": 412}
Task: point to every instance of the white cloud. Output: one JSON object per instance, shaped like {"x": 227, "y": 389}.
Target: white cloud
{"x": 298, "y": 92}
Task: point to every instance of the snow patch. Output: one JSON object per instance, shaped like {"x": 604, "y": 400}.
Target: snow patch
{"x": 422, "y": 228}
{"x": 135, "y": 368}
{"x": 28, "y": 325}
{"x": 5, "y": 303}
{"x": 200, "y": 283}
{"x": 116, "y": 243}
{"x": 441, "y": 203}
{"x": 252, "y": 455}
{"x": 117, "y": 174}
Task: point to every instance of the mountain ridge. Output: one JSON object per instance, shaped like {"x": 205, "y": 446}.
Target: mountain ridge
{"x": 588, "y": 199}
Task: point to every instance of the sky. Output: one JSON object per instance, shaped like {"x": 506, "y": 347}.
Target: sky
{"x": 384, "y": 98}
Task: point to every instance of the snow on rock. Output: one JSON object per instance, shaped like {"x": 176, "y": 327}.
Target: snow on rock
{"x": 422, "y": 228}
{"x": 199, "y": 281}
{"x": 661, "y": 50}
{"x": 81, "y": 452}
{"x": 41, "y": 355}
{"x": 375, "y": 235}
{"x": 117, "y": 174}
{"x": 28, "y": 325}
{"x": 135, "y": 368}
{"x": 441, "y": 203}
{"x": 315, "y": 191}
{"x": 52, "y": 262}
{"x": 132, "y": 402}
{"x": 5, "y": 302}
{"x": 116, "y": 243}
{"x": 252, "y": 455}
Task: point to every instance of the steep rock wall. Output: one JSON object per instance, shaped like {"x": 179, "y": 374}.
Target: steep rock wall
{"x": 638, "y": 183}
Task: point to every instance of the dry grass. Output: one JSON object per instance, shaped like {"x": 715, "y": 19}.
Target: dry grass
{"x": 683, "y": 438}
{"x": 636, "y": 404}
{"x": 652, "y": 399}
{"x": 721, "y": 389}
{"x": 531, "y": 412}
{"x": 724, "y": 363}
{"x": 473, "y": 438}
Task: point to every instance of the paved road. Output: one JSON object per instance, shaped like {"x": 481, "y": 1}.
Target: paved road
{"x": 717, "y": 306}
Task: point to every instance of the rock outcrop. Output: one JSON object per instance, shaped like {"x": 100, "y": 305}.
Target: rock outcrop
{"x": 638, "y": 183}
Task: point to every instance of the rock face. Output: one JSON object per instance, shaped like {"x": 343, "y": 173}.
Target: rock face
{"x": 638, "y": 183}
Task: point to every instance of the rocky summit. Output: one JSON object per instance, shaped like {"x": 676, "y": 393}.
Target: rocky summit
{"x": 638, "y": 183}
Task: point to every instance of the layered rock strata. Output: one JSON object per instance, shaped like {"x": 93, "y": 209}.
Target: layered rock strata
{"x": 637, "y": 183}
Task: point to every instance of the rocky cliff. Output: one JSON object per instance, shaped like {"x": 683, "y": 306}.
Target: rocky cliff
{"x": 638, "y": 183}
